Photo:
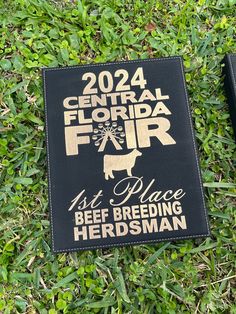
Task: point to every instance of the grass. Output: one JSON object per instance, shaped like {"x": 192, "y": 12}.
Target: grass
{"x": 194, "y": 276}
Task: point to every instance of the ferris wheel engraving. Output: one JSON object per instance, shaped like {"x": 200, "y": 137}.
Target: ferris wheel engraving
{"x": 108, "y": 131}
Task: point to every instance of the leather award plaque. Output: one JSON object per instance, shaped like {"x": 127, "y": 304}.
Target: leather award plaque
{"x": 122, "y": 158}
{"x": 230, "y": 86}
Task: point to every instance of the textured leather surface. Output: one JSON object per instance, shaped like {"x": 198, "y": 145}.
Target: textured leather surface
{"x": 169, "y": 163}
{"x": 230, "y": 85}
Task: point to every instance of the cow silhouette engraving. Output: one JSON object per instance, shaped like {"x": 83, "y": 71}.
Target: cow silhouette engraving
{"x": 119, "y": 162}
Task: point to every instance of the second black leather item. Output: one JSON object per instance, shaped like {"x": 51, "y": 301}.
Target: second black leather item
{"x": 122, "y": 158}
{"x": 230, "y": 86}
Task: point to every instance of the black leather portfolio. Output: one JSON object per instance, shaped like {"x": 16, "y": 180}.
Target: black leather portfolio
{"x": 230, "y": 86}
{"x": 122, "y": 159}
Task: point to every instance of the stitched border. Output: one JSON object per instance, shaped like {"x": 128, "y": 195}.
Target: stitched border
{"x": 44, "y": 70}
{"x": 131, "y": 243}
{"x": 109, "y": 63}
{"x": 48, "y": 159}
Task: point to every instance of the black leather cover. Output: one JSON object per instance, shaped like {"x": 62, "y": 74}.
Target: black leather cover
{"x": 230, "y": 85}
{"x": 122, "y": 158}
